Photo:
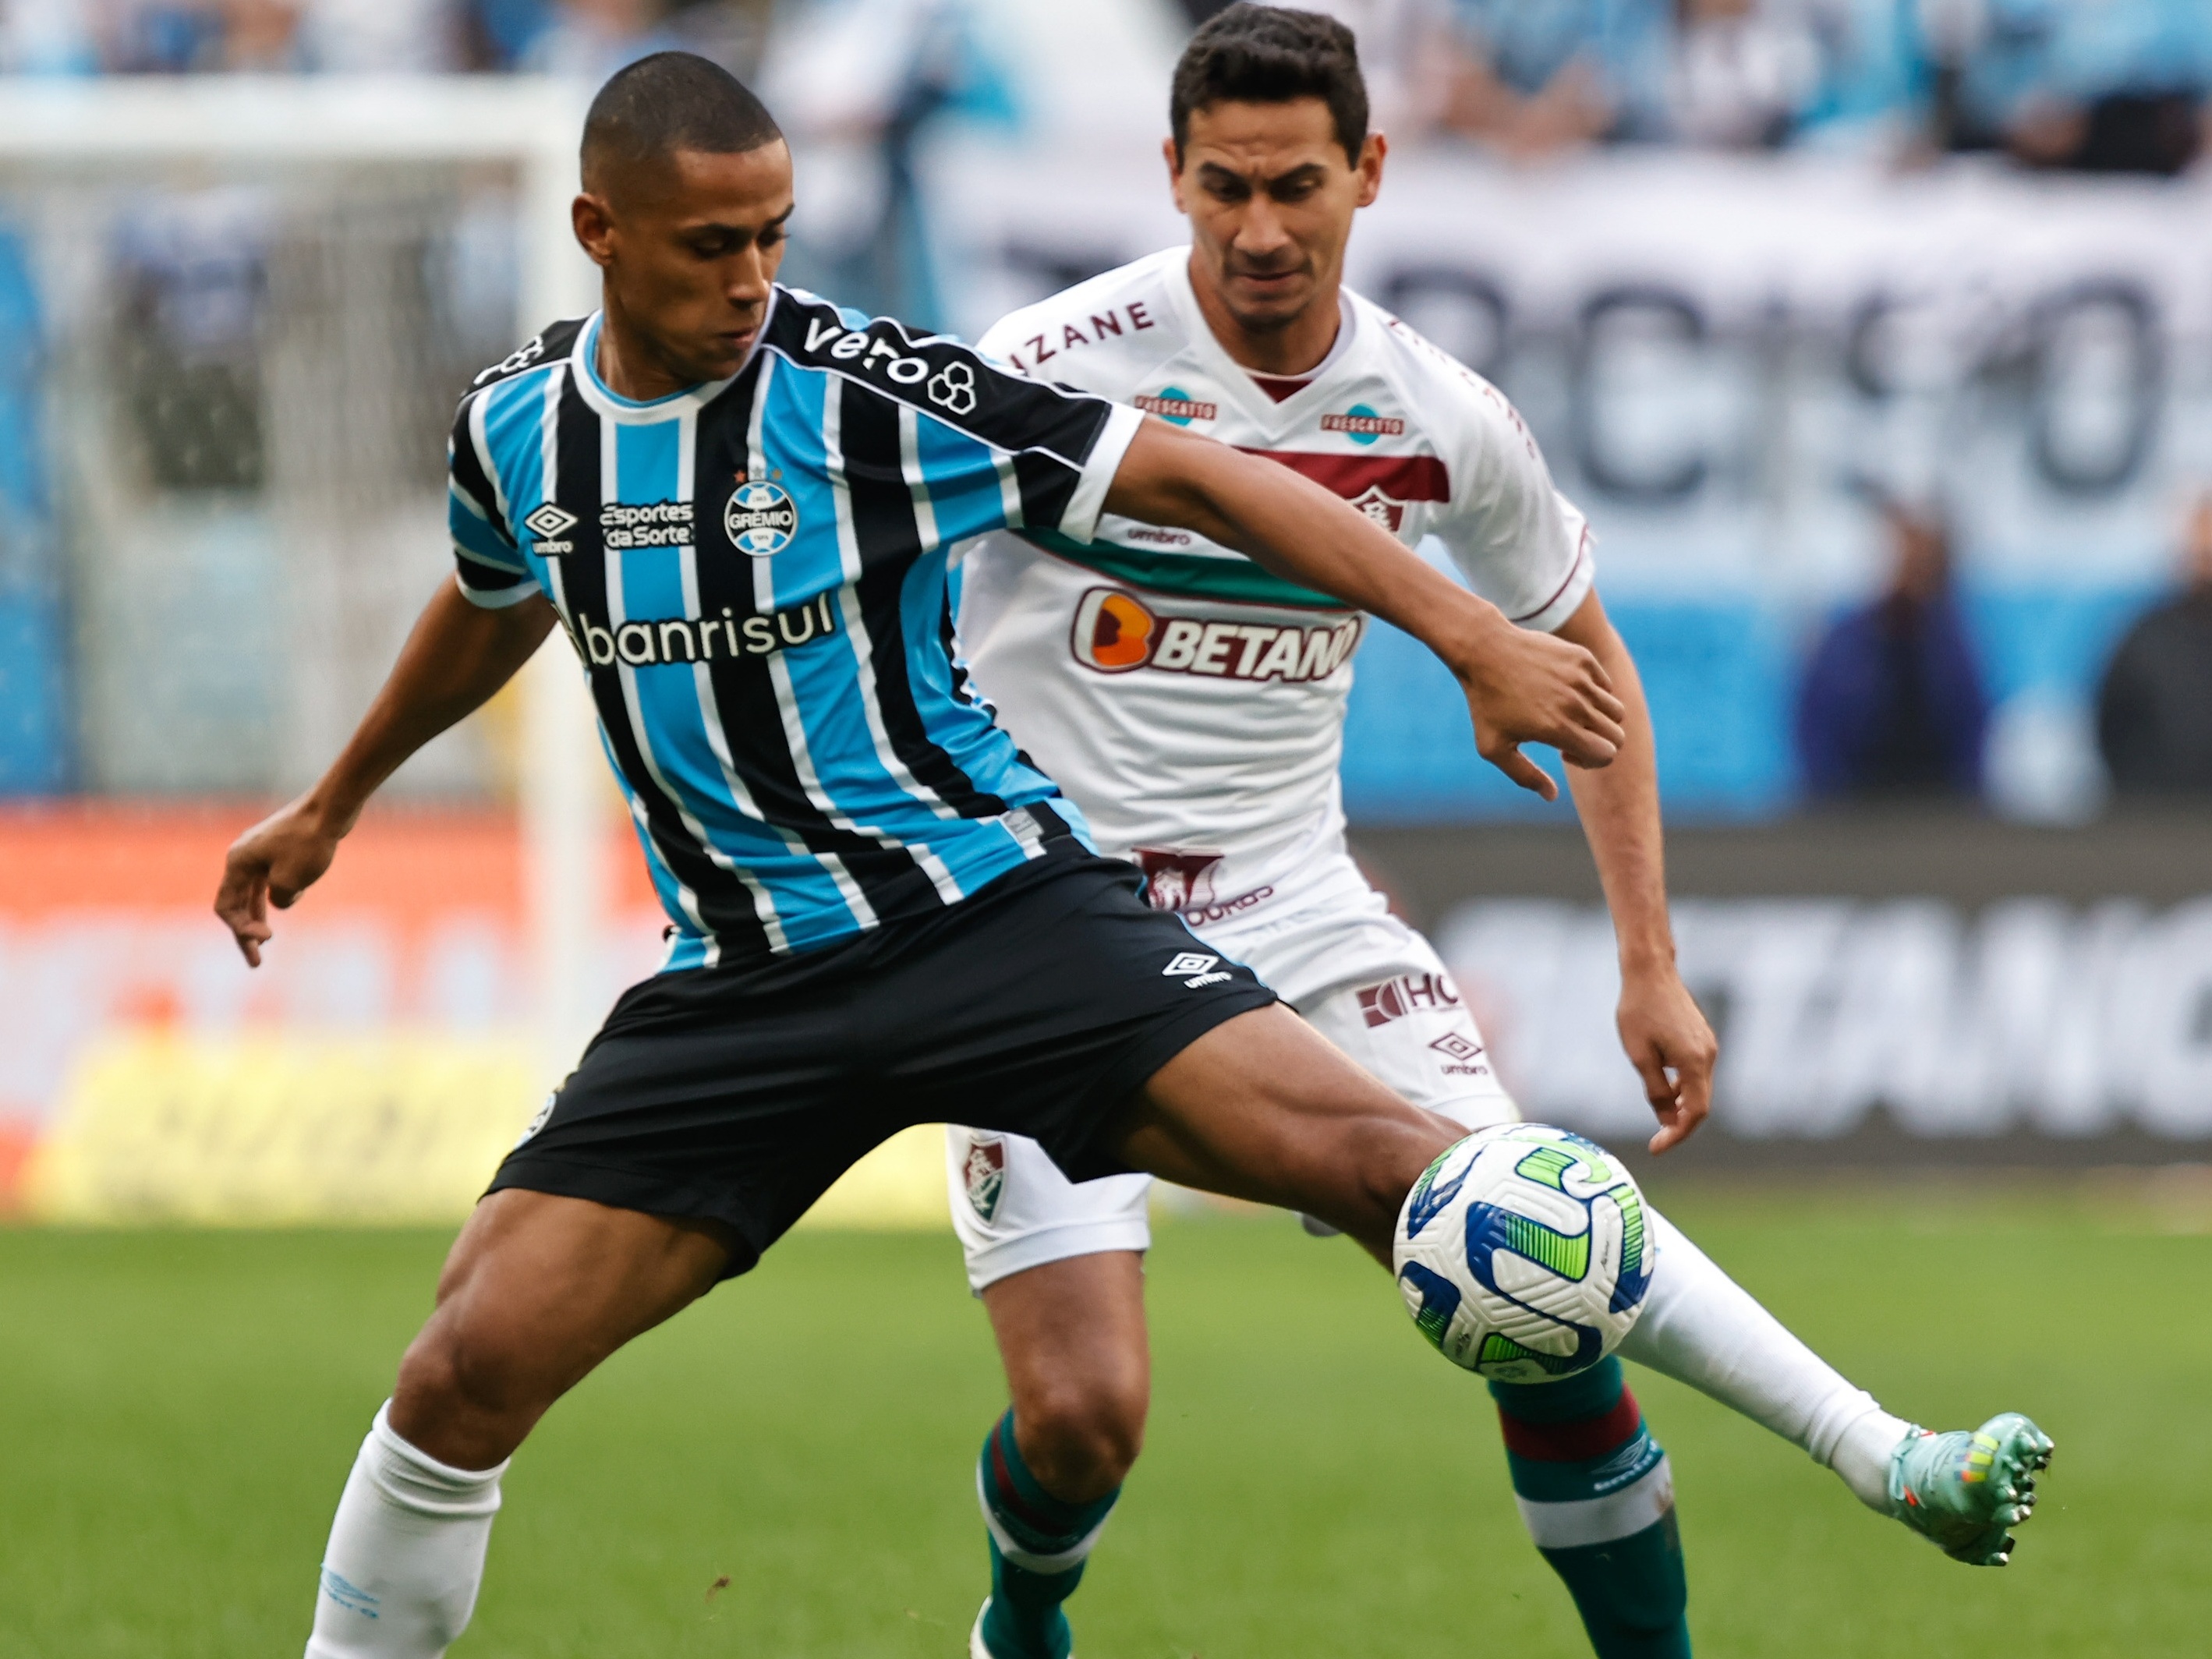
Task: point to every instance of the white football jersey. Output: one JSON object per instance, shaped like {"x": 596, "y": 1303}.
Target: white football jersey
{"x": 1190, "y": 701}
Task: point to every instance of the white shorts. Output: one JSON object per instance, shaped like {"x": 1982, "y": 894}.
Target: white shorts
{"x": 1328, "y": 946}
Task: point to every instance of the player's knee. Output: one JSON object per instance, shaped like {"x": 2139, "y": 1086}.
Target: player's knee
{"x": 464, "y": 1384}
{"x": 1377, "y": 1160}
{"x": 1081, "y": 1438}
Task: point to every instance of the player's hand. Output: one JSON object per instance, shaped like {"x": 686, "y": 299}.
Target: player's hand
{"x": 272, "y": 863}
{"x": 1525, "y": 687}
{"x": 1673, "y": 1049}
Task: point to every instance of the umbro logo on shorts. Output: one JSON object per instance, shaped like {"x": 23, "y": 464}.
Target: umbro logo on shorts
{"x": 1194, "y": 968}
{"x": 1464, "y": 1056}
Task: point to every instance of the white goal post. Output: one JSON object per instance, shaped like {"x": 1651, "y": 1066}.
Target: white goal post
{"x": 129, "y": 134}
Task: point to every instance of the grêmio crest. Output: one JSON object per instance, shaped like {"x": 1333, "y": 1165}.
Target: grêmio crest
{"x": 761, "y": 519}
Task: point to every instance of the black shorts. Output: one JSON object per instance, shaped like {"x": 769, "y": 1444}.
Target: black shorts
{"x": 1038, "y": 1007}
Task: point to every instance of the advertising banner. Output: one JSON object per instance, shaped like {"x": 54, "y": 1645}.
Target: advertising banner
{"x": 1729, "y": 360}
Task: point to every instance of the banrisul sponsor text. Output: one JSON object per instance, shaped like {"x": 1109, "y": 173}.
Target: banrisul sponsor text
{"x": 647, "y": 642}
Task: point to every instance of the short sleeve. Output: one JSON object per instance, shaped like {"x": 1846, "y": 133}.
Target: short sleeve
{"x": 1520, "y": 542}
{"x": 491, "y": 569}
{"x": 1054, "y": 449}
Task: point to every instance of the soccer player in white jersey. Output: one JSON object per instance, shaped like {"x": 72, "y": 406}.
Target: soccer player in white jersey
{"x": 1192, "y": 704}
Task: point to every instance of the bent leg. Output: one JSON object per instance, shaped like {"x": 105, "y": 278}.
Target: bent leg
{"x": 1264, "y": 1108}
{"x": 1078, "y": 1366}
{"x": 537, "y": 1291}
{"x": 1072, "y": 1336}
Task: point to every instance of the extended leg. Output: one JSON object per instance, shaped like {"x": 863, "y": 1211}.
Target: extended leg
{"x": 537, "y": 1292}
{"x": 1071, "y": 1334}
{"x": 1265, "y": 1107}
{"x": 1963, "y": 1489}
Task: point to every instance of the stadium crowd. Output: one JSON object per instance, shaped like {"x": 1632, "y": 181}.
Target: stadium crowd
{"x": 2102, "y": 85}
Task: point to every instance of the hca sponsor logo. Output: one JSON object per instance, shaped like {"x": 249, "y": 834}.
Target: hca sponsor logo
{"x": 1408, "y": 994}
{"x": 651, "y": 643}
{"x": 1117, "y": 633}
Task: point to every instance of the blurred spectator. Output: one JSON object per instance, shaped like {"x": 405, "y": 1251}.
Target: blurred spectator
{"x": 1409, "y": 52}
{"x": 259, "y": 35}
{"x": 2154, "y": 709}
{"x": 1551, "y": 74}
{"x": 1892, "y": 703}
{"x": 374, "y": 37}
{"x": 590, "y": 40}
{"x": 1876, "y": 75}
{"x": 857, "y": 84}
{"x": 47, "y": 37}
{"x": 1725, "y": 74}
{"x": 1740, "y": 72}
{"x": 2104, "y": 86}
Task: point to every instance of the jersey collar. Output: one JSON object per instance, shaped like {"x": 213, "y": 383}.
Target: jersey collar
{"x": 1235, "y": 379}
{"x": 628, "y": 411}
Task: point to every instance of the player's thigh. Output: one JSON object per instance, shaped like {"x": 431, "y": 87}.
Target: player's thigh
{"x": 1265, "y": 1107}
{"x": 1014, "y": 1210}
{"x": 538, "y": 1290}
{"x": 1410, "y": 1030}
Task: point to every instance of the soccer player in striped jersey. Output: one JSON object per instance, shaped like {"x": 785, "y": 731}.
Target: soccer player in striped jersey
{"x": 738, "y": 501}
{"x": 1192, "y": 703}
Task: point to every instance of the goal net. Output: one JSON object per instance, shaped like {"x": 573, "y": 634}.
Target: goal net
{"x": 236, "y": 316}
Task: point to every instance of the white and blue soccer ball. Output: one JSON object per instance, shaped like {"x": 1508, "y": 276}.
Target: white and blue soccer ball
{"x": 1524, "y": 1252}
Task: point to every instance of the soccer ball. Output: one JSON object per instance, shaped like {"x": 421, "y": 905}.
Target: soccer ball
{"x": 1523, "y": 1252}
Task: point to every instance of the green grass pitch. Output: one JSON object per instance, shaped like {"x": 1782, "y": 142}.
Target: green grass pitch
{"x": 177, "y": 1412}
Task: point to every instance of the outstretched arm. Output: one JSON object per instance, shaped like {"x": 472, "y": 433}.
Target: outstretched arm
{"x": 1522, "y": 687}
{"x": 1666, "y": 1038}
{"x": 458, "y": 655}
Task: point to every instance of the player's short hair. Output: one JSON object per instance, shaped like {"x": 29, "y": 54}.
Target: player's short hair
{"x": 670, "y": 101}
{"x": 1272, "y": 55}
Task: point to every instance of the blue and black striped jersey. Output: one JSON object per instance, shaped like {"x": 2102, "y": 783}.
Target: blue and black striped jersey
{"x": 753, "y": 574}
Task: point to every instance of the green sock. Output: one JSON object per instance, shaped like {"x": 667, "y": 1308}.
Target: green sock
{"x": 1038, "y": 1547}
{"x": 1595, "y": 1491}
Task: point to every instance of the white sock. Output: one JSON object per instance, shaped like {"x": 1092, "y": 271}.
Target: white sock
{"x": 406, "y": 1552}
{"x": 1700, "y": 1327}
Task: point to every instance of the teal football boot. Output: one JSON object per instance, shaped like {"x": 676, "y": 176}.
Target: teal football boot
{"x": 1962, "y": 1489}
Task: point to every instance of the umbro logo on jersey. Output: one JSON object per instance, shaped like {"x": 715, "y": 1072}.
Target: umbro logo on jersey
{"x": 1116, "y": 632}
{"x": 1194, "y": 968}
{"x": 550, "y": 520}
{"x": 550, "y": 525}
{"x": 1408, "y": 994}
{"x": 761, "y": 519}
